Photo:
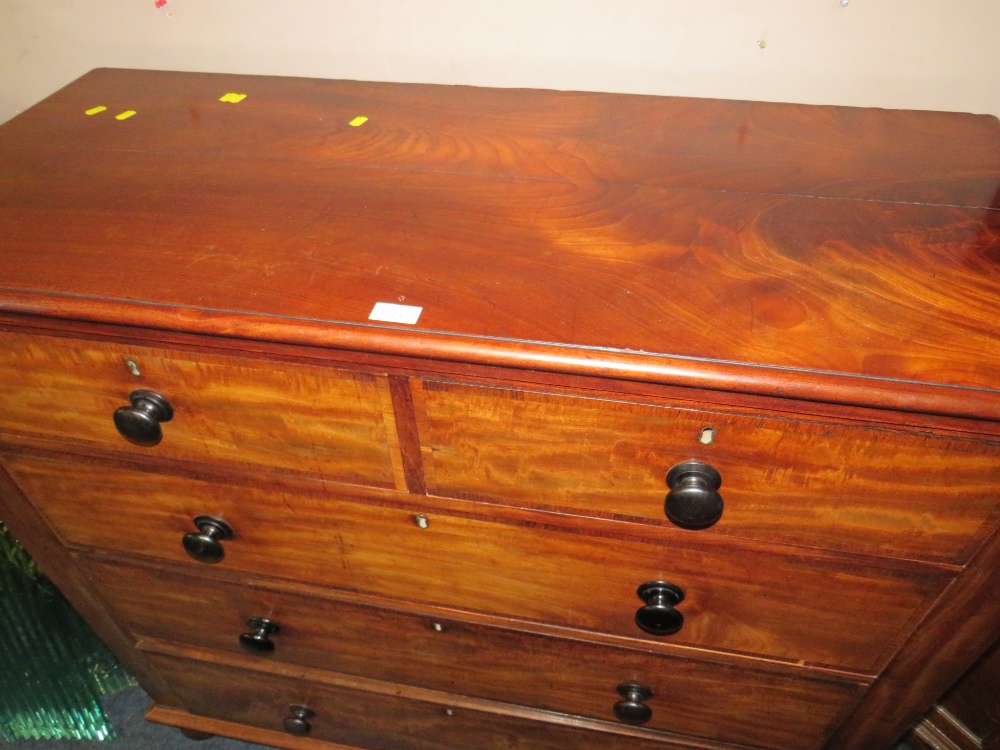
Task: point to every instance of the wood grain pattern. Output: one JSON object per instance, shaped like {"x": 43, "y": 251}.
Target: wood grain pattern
{"x": 834, "y": 152}
{"x": 915, "y": 406}
{"x": 643, "y": 269}
{"x": 409, "y": 439}
{"x": 851, "y": 488}
{"x": 226, "y": 409}
{"x": 799, "y": 390}
{"x": 700, "y": 698}
{"x": 826, "y": 277}
{"x": 386, "y": 721}
{"x": 960, "y": 627}
{"x": 794, "y": 608}
{"x": 632, "y": 238}
{"x": 399, "y": 456}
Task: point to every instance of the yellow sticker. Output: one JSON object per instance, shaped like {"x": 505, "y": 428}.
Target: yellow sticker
{"x": 125, "y": 115}
{"x": 232, "y": 98}
{"x": 358, "y": 121}
{"x": 95, "y": 110}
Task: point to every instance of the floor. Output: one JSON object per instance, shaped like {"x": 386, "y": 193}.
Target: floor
{"x": 125, "y": 712}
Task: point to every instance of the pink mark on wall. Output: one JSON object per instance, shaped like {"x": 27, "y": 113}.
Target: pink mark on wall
{"x": 160, "y": 3}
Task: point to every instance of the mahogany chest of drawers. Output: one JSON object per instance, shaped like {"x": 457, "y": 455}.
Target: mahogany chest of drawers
{"x": 424, "y": 417}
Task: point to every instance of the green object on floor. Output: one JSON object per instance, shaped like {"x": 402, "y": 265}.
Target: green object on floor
{"x": 52, "y": 666}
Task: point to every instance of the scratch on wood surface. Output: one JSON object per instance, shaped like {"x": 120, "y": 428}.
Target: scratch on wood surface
{"x": 323, "y": 214}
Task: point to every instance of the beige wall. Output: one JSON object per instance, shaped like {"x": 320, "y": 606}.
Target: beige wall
{"x": 923, "y": 54}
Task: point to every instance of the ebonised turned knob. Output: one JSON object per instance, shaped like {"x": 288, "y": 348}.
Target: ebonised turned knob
{"x": 298, "y": 723}
{"x": 658, "y": 616}
{"x": 140, "y": 422}
{"x": 693, "y": 501}
{"x": 258, "y": 640}
{"x": 205, "y": 545}
{"x": 631, "y": 709}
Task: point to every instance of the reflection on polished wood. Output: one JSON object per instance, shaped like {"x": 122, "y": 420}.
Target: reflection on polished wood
{"x": 225, "y": 409}
{"x": 860, "y": 242}
{"x": 446, "y": 529}
{"x": 803, "y": 482}
{"x": 521, "y": 570}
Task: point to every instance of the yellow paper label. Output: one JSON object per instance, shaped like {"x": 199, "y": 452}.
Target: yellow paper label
{"x": 125, "y": 115}
{"x": 358, "y": 121}
{"x": 232, "y": 98}
{"x": 95, "y": 110}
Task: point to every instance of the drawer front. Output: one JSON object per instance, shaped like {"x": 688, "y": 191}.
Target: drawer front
{"x": 846, "y": 488}
{"x": 226, "y": 409}
{"x": 789, "y": 607}
{"x": 692, "y": 697}
{"x": 377, "y": 721}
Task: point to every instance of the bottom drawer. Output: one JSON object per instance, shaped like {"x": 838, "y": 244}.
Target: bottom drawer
{"x": 377, "y": 721}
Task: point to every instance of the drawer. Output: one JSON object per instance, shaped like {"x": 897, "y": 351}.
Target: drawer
{"x": 701, "y": 698}
{"x": 794, "y": 607}
{"x": 226, "y": 409}
{"x": 849, "y": 488}
{"x": 379, "y": 720}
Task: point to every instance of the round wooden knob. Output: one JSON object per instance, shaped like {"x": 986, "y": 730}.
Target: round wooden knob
{"x": 298, "y": 723}
{"x": 140, "y": 422}
{"x": 693, "y": 501}
{"x": 205, "y": 545}
{"x": 631, "y": 709}
{"x": 258, "y": 640}
{"x": 658, "y": 616}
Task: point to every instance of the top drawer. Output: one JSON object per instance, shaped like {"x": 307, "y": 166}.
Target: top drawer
{"x": 226, "y": 410}
{"x": 877, "y": 491}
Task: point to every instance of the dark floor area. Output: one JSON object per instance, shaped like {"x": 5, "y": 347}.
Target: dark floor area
{"x": 125, "y": 712}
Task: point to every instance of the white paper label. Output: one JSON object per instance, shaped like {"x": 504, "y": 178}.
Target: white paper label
{"x": 391, "y": 313}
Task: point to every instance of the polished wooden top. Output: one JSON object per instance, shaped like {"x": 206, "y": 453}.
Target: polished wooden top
{"x": 830, "y": 253}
